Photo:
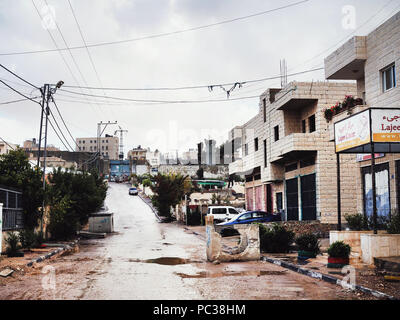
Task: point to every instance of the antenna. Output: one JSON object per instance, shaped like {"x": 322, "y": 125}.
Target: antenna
{"x": 283, "y": 68}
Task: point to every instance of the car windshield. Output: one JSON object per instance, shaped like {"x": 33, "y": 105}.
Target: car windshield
{"x": 245, "y": 216}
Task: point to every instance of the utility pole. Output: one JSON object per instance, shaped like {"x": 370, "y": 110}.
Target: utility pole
{"x": 47, "y": 91}
{"x": 99, "y": 133}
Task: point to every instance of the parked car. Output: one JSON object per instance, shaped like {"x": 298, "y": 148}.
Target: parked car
{"x": 133, "y": 191}
{"x": 251, "y": 217}
{"x": 222, "y": 213}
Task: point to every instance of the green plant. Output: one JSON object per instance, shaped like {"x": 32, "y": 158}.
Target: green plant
{"x": 394, "y": 224}
{"x": 63, "y": 220}
{"x": 339, "y": 249}
{"x": 357, "y": 222}
{"x": 308, "y": 242}
{"x": 12, "y": 242}
{"x": 276, "y": 239}
{"x": 29, "y": 239}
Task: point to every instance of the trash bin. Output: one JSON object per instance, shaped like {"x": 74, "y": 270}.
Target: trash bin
{"x": 101, "y": 222}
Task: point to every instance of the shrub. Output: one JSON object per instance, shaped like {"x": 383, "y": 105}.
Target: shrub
{"x": 394, "y": 224}
{"x": 29, "y": 239}
{"x": 12, "y": 242}
{"x": 357, "y": 222}
{"x": 63, "y": 220}
{"x": 339, "y": 249}
{"x": 308, "y": 242}
{"x": 276, "y": 239}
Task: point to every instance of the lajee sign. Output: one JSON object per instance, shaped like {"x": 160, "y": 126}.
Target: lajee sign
{"x": 352, "y": 132}
{"x": 377, "y": 125}
{"x": 385, "y": 125}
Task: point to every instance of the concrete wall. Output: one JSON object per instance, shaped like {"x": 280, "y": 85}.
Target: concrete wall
{"x": 379, "y": 246}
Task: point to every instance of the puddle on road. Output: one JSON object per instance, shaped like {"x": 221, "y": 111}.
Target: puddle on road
{"x": 205, "y": 274}
{"x": 169, "y": 261}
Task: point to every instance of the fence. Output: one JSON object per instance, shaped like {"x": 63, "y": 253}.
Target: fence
{"x": 12, "y": 209}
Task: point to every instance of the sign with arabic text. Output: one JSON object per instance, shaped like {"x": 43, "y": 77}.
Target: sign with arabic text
{"x": 385, "y": 125}
{"x": 353, "y": 131}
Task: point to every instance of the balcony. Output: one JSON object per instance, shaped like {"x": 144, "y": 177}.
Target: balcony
{"x": 236, "y": 167}
{"x": 294, "y": 146}
{"x": 347, "y": 62}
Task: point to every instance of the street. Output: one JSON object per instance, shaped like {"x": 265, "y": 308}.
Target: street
{"x": 145, "y": 259}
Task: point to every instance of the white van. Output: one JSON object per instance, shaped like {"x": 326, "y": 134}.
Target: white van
{"x": 221, "y": 213}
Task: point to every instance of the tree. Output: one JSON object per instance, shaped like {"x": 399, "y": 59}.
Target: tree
{"x": 168, "y": 191}
{"x": 16, "y": 171}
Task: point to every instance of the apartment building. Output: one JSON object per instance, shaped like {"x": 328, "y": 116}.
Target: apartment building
{"x": 372, "y": 61}
{"x": 288, "y": 156}
{"x": 6, "y": 147}
{"x": 108, "y": 146}
{"x": 138, "y": 154}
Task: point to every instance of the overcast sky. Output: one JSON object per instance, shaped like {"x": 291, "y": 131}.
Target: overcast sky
{"x": 243, "y": 50}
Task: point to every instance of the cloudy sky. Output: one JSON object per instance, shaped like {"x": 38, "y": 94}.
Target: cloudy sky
{"x": 242, "y": 50}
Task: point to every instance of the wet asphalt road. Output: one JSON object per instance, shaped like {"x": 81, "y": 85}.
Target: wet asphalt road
{"x": 145, "y": 259}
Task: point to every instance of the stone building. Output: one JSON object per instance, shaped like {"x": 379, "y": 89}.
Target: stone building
{"x": 288, "y": 158}
{"x": 372, "y": 62}
{"x": 108, "y": 146}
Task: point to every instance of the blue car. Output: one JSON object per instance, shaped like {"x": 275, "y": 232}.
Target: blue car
{"x": 251, "y": 217}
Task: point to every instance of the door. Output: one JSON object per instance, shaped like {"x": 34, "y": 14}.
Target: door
{"x": 268, "y": 197}
{"x": 258, "y": 198}
{"x": 279, "y": 201}
{"x": 292, "y": 199}
{"x": 308, "y": 198}
{"x": 249, "y": 199}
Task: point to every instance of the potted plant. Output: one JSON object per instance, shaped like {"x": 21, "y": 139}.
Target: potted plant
{"x": 338, "y": 254}
{"x": 13, "y": 245}
{"x": 308, "y": 246}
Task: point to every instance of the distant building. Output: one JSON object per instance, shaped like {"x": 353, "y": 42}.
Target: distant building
{"x": 108, "y": 146}
{"x": 32, "y": 145}
{"x": 54, "y": 162}
{"x": 5, "y": 147}
{"x": 137, "y": 154}
{"x": 153, "y": 158}
{"x": 190, "y": 157}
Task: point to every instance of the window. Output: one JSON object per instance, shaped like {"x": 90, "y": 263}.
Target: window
{"x": 311, "y": 123}
{"x": 276, "y": 133}
{"x": 259, "y": 214}
{"x": 246, "y": 149}
{"x": 245, "y": 216}
{"x": 265, "y": 109}
{"x": 80, "y": 141}
{"x": 83, "y": 148}
{"x": 83, "y": 141}
{"x": 91, "y": 141}
{"x": 80, "y": 148}
{"x": 303, "y": 126}
{"x": 265, "y": 153}
{"x": 106, "y": 147}
{"x": 232, "y": 211}
{"x": 256, "y": 144}
{"x": 388, "y": 78}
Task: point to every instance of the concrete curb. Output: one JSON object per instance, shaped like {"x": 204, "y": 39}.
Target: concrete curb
{"x": 150, "y": 206}
{"x": 52, "y": 253}
{"x": 326, "y": 278}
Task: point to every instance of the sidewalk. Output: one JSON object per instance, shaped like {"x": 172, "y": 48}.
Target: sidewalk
{"x": 366, "y": 276}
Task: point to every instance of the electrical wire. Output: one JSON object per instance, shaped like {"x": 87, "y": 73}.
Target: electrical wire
{"x": 196, "y": 86}
{"x": 62, "y": 133}
{"x": 15, "y": 101}
{"x": 62, "y": 119}
{"x": 20, "y": 93}
{"x": 7, "y": 143}
{"x": 160, "y": 34}
{"x": 15, "y": 75}
{"x": 58, "y": 134}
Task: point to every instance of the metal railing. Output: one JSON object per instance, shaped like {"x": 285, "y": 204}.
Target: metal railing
{"x": 12, "y": 219}
{"x": 12, "y": 208}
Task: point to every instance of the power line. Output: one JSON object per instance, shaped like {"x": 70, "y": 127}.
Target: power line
{"x": 20, "y": 93}
{"x": 14, "y": 74}
{"x": 7, "y": 143}
{"x": 84, "y": 42}
{"x": 58, "y": 134}
{"x": 62, "y": 119}
{"x": 192, "y": 87}
{"x": 160, "y": 34}
{"x": 186, "y": 101}
{"x": 59, "y": 50}
{"x": 15, "y": 101}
